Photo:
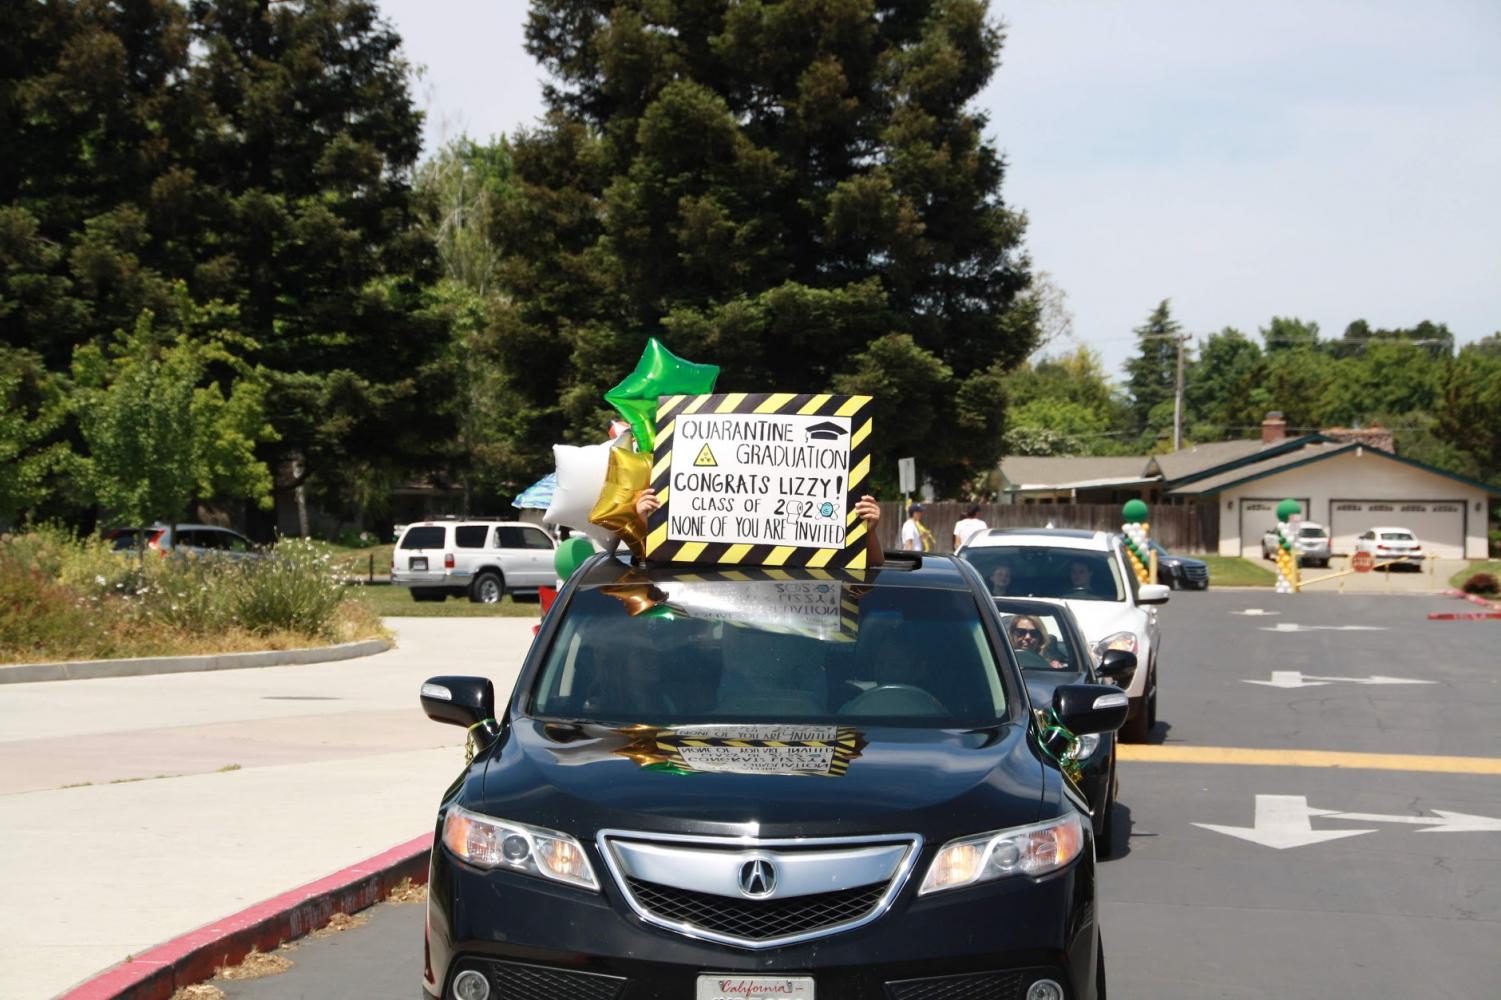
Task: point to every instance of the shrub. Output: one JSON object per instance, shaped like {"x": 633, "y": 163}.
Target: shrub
{"x": 295, "y": 591}
{"x": 39, "y": 618}
{"x": 1482, "y": 583}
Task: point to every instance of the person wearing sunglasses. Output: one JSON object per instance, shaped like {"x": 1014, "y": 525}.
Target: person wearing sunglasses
{"x": 1028, "y": 636}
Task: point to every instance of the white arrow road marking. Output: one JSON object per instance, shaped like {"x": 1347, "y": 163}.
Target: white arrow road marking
{"x": 1298, "y": 679}
{"x": 1295, "y": 627}
{"x": 1442, "y": 821}
{"x": 1282, "y": 822}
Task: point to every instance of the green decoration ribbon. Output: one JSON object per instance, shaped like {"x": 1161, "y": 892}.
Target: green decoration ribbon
{"x": 1068, "y": 761}
{"x": 470, "y": 743}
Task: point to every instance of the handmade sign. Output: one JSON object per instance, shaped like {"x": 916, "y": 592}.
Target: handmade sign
{"x": 818, "y": 609}
{"x": 747, "y": 749}
{"x": 767, "y": 479}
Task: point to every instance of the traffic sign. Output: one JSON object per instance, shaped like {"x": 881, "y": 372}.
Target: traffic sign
{"x": 1362, "y": 562}
{"x": 906, "y": 470}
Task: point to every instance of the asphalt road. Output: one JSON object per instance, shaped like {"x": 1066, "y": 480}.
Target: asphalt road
{"x": 1410, "y": 906}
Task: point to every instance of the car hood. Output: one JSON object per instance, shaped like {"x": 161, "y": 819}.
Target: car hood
{"x": 1098, "y": 619}
{"x": 784, "y": 781}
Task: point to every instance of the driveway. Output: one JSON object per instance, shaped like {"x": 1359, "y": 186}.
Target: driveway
{"x": 1429, "y": 578}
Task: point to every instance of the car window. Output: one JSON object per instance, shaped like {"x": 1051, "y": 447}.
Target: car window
{"x": 723, "y": 651}
{"x": 236, "y": 543}
{"x": 471, "y": 536}
{"x": 195, "y": 539}
{"x": 534, "y": 538}
{"x": 1311, "y": 533}
{"x": 1396, "y": 536}
{"x": 129, "y": 538}
{"x": 1043, "y": 571}
{"x": 1041, "y": 642}
{"x": 423, "y": 537}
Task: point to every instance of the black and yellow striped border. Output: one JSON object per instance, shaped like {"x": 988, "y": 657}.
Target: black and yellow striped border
{"x": 659, "y": 547}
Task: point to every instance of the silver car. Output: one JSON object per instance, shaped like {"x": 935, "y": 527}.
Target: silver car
{"x": 186, "y": 539}
{"x": 1310, "y": 542}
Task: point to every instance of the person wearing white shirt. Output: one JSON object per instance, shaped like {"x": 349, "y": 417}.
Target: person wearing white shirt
{"x": 968, "y": 526}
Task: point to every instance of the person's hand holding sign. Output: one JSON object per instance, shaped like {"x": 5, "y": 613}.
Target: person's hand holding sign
{"x": 870, "y": 513}
{"x": 647, "y": 503}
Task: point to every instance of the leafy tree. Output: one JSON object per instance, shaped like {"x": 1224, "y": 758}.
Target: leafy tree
{"x": 1152, "y": 374}
{"x": 308, "y": 144}
{"x": 160, "y": 431}
{"x": 31, "y": 410}
{"x": 1469, "y": 416}
{"x": 1288, "y": 334}
{"x": 1224, "y": 388}
{"x": 1065, "y": 406}
{"x": 797, "y": 192}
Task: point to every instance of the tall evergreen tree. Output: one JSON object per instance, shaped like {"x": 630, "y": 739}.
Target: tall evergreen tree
{"x": 798, "y": 192}
{"x": 1152, "y": 373}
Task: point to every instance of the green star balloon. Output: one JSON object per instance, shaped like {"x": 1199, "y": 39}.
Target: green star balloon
{"x": 658, "y": 373}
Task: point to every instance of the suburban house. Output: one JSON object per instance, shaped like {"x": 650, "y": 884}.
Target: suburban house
{"x": 1350, "y": 480}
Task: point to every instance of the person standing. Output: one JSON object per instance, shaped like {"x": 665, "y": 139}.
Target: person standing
{"x": 915, "y": 535}
{"x": 968, "y": 526}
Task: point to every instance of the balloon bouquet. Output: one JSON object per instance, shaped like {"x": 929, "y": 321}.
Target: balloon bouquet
{"x": 598, "y": 483}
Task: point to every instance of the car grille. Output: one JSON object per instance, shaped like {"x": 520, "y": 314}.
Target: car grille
{"x": 983, "y": 986}
{"x": 1196, "y": 573}
{"x": 519, "y": 981}
{"x": 756, "y": 919}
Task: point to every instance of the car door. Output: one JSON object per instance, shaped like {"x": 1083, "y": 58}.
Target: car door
{"x": 527, "y": 554}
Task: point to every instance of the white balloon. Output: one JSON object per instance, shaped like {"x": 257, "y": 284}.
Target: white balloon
{"x": 581, "y": 477}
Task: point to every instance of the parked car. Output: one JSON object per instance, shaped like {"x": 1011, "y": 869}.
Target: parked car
{"x": 1180, "y": 572}
{"x": 1088, "y": 571}
{"x": 186, "y": 539}
{"x": 739, "y": 796}
{"x": 483, "y": 559}
{"x": 1050, "y": 649}
{"x": 1394, "y": 545}
{"x": 1310, "y": 542}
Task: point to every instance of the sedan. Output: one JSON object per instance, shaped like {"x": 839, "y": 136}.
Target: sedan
{"x": 804, "y": 784}
{"x": 1391, "y": 545}
{"x": 1050, "y": 648}
{"x": 1180, "y": 572}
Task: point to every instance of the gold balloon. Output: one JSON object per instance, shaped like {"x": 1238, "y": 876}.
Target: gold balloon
{"x": 626, "y": 476}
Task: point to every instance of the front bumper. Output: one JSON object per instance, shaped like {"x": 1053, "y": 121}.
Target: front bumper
{"x": 564, "y": 943}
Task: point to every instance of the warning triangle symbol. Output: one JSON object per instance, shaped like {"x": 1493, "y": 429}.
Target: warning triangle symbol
{"x": 705, "y": 457}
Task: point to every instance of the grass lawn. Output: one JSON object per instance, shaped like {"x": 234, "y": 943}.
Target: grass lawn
{"x": 356, "y": 561}
{"x": 1491, "y": 566}
{"x": 388, "y": 600}
{"x": 1232, "y": 571}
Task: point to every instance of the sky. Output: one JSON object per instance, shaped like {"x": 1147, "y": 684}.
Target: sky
{"x": 1326, "y": 159}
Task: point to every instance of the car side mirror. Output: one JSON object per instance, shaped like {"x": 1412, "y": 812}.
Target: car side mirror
{"x": 1152, "y": 593}
{"x": 459, "y": 701}
{"x": 1118, "y": 665}
{"x": 1090, "y": 708}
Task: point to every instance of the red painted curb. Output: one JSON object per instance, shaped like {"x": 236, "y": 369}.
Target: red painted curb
{"x": 197, "y": 955}
{"x": 1463, "y": 616}
{"x": 1474, "y": 599}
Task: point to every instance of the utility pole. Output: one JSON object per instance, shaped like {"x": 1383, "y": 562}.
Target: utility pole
{"x": 1178, "y": 398}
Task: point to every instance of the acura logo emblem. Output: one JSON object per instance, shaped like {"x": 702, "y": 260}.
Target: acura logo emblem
{"x": 758, "y": 878}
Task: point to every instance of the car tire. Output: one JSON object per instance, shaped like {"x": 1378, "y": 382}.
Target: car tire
{"x": 1136, "y": 728}
{"x": 488, "y": 587}
{"x": 1099, "y": 970}
{"x": 1104, "y": 834}
{"x": 429, "y": 594}
{"x": 1152, "y": 700}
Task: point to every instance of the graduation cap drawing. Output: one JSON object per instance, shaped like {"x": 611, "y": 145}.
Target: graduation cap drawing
{"x": 826, "y": 431}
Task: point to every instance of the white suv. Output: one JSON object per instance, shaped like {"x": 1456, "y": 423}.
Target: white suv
{"x": 1088, "y": 572}
{"x": 479, "y": 558}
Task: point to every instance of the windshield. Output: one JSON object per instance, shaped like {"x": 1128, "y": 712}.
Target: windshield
{"x": 799, "y": 651}
{"x": 1040, "y": 642}
{"x": 1038, "y": 571}
{"x": 1311, "y": 532}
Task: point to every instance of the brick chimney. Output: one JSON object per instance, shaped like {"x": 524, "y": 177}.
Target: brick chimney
{"x": 1273, "y": 428}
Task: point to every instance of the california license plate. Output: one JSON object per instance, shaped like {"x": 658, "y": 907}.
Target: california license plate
{"x": 729, "y": 986}
{"x": 419, "y": 563}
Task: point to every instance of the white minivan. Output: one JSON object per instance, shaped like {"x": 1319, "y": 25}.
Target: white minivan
{"x": 481, "y": 559}
{"x": 1088, "y": 572}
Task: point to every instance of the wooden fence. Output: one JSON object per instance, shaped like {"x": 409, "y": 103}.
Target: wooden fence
{"x": 1179, "y": 529}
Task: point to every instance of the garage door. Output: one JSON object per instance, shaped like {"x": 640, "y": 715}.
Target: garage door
{"x": 1439, "y": 524}
{"x": 1258, "y": 515}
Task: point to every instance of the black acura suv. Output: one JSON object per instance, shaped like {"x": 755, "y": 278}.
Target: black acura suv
{"x": 740, "y": 784}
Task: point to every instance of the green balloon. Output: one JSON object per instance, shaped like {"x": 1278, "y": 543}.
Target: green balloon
{"x": 1134, "y": 512}
{"x": 571, "y": 555}
{"x": 1287, "y": 508}
{"x": 658, "y": 373}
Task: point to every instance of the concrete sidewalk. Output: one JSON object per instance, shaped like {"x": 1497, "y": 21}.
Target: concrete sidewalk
{"x": 280, "y": 775}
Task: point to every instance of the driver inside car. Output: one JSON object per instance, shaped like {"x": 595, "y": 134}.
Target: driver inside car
{"x": 1080, "y": 577}
{"x": 1029, "y": 636}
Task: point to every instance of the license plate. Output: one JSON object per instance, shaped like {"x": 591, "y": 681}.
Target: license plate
{"x": 419, "y": 562}
{"x": 729, "y": 986}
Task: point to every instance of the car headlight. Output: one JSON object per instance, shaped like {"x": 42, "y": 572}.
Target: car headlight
{"x": 1088, "y": 744}
{"x": 1023, "y": 850}
{"x": 1175, "y": 563}
{"x": 1117, "y": 640}
{"x": 486, "y": 842}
